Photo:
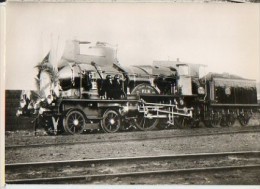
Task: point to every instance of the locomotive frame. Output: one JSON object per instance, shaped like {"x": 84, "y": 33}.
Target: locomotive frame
{"x": 73, "y": 116}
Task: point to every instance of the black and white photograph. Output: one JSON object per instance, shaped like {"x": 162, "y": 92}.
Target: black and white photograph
{"x": 132, "y": 94}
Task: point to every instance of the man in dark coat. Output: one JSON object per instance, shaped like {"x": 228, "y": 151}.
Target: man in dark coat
{"x": 118, "y": 88}
{"x": 86, "y": 81}
{"x": 108, "y": 87}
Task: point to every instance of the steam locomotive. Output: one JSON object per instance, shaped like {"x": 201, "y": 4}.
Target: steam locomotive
{"x": 90, "y": 90}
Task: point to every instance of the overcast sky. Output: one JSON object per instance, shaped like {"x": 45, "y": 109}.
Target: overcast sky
{"x": 224, "y": 37}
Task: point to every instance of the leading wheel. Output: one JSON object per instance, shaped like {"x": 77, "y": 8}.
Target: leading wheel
{"x": 111, "y": 121}
{"x": 145, "y": 124}
{"x": 74, "y": 122}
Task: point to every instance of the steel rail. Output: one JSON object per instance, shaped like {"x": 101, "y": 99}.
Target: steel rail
{"x": 238, "y": 1}
{"x": 131, "y": 139}
{"x": 111, "y": 160}
{"x": 86, "y": 178}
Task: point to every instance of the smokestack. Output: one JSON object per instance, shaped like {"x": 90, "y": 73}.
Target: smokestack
{"x": 178, "y": 60}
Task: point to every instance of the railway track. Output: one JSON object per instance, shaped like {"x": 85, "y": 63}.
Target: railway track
{"x": 136, "y": 137}
{"x": 136, "y": 169}
{"x": 238, "y": 1}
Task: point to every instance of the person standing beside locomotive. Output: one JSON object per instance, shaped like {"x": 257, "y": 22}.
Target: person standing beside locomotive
{"x": 108, "y": 87}
{"x": 118, "y": 88}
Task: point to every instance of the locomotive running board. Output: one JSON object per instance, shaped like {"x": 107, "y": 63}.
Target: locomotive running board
{"x": 236, "y": 105}
{"x": 163, "y": 96}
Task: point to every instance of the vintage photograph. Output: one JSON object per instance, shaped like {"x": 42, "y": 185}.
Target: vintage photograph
{"x": 132, "y": 94}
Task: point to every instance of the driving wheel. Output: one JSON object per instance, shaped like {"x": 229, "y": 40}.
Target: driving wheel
{"x": 74, "y": 122}
{"x": 145, "y": 124}
{"x": 111, "y": 121}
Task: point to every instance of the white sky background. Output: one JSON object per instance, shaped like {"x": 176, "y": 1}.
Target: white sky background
{"x": 223, "y": 36}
